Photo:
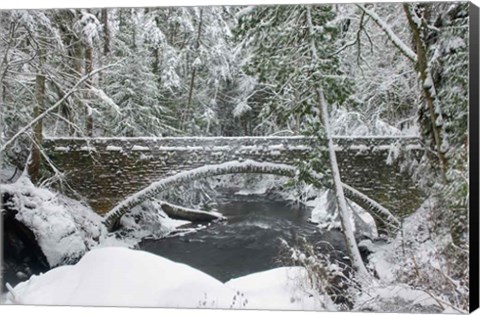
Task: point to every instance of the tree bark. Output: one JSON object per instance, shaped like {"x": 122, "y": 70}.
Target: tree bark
{"x": 77, "y": 53}
{"x": 156, "y": 54}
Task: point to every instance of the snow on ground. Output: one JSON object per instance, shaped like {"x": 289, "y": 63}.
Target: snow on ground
{"x": 399, "y": 262}
{"x": 414, "y": 240}
{"x": 285, "y": 288}
{"x": 398, "y": 297}
{"x": 118, "y": 276}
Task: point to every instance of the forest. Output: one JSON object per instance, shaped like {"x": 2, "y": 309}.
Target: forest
{"x": 397, "y": 71}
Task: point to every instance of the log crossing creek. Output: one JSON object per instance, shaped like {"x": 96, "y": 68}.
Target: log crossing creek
{"x": 248, "y": 241}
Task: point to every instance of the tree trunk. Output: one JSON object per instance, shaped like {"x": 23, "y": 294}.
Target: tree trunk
{"x": 106, "y": 33}
{"x": 343, "y": 210}
{"x": 424, "y": 76}
{"x": 192, "y": 80}
{"x": 156, "y": 60}
{"x": 194, "y": 215}
{"x": 36, "y": 156}
{"x": 77, "y": 53}
{"x": 156, "y": 54}
{"x": 88, "y": 83}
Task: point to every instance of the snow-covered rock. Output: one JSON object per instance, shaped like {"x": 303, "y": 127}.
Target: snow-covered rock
{"x": 65, "y": 229}
{"x": 147, "y": 220}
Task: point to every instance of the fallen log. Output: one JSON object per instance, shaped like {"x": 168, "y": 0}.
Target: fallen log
{"x": 182, "y": 213}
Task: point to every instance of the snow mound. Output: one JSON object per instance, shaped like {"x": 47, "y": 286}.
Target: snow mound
{"x": 284, "y": 288}
{"x": 116, "y": 276}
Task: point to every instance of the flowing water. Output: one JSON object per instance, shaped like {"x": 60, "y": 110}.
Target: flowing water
{"x": 248, "y": 241}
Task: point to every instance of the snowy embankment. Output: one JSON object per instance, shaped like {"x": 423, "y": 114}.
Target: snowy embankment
{"x": 122, "y": 277}
{"x": 413, "y": 275}
{"x": 66, "y": 229}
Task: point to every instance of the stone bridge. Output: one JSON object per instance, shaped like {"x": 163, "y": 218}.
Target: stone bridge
{"x": 107, "y": 170}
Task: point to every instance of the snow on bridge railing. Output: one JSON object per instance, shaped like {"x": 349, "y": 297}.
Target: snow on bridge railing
{"x": 401, "y": 137}
{"x": 264, "y": 143}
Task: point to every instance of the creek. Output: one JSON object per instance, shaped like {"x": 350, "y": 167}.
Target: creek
{"x": 248, "y": 241}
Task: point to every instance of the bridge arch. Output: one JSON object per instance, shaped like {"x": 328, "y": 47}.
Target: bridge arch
{"x": 235, "y": 167}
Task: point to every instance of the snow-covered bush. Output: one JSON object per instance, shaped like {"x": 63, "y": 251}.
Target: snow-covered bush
{"x": 325, "y": 215}
{"x": 325, "y": 272}
{"x": 355, "y": 123}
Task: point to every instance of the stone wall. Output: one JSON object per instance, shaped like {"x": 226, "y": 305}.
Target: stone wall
{"x": 106, "y": 170}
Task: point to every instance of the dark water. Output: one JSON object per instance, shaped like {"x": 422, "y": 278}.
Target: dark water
{"x": 248, "y": 242}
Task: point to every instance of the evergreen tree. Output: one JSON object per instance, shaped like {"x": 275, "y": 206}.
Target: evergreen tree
{"x": 288, "y": 69}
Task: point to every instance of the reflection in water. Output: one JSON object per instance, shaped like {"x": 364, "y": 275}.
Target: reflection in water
{"x": 248, "y": 242}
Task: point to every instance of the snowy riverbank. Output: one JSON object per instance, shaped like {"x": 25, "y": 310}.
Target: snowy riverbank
{"x": 108, "y": 273}
{"x": 122, "y": 277}
{"x": 65, "y": 229}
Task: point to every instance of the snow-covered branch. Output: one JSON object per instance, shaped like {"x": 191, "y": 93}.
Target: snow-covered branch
{"x": 369, "y": 204}
{"x": 409, "y": 53}
{"x": 57, "y": 104}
